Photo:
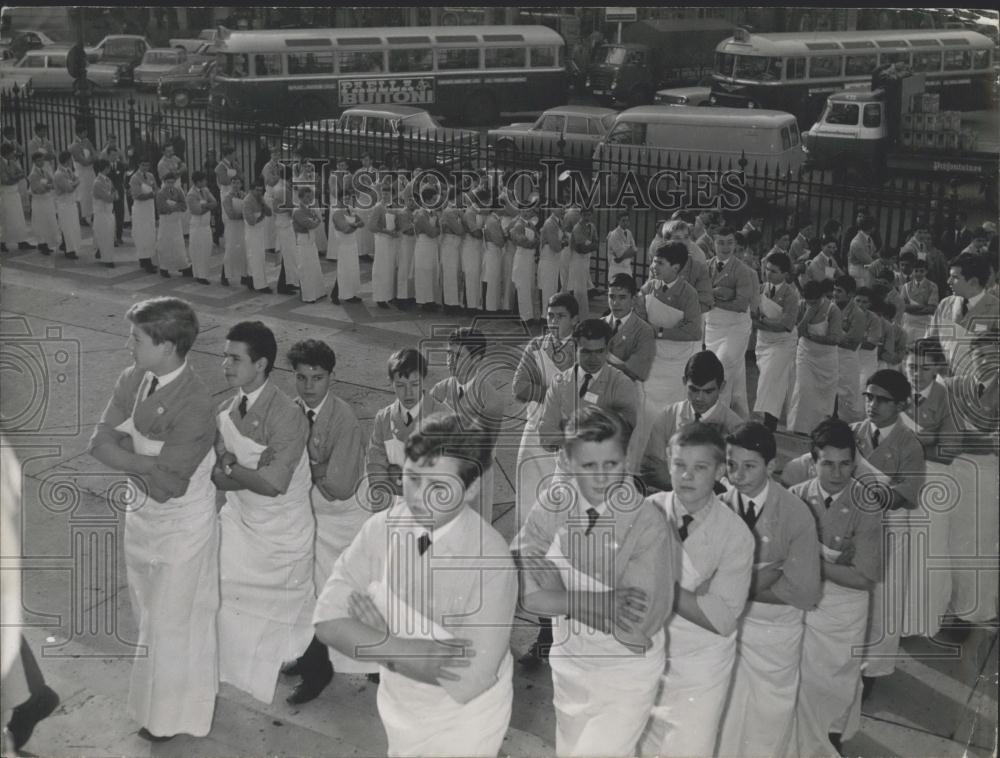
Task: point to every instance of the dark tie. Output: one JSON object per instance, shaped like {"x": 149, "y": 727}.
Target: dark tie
{"x": 423, "y": 542}
{"x": 875, "y": 438}
{"x": 828, "y": 502}
{"x": 618, "y": 325}
{"x": 586, "y": 384}
{"x": 461, "y": 392}
{"x": 686, "y": 519}
{"x": 965, "y": 307}
{"x": 311, "y": 415}
{"x": 917, "y": 400}
{"x": 719, "y": 265}
{"x": 152, "y": 386}
{"x": 770, "y": 292}
{"x": 697, "y": 416}
{"x": 409, "y": 418}
{"x": 749, "y": 513}
{"x": 591, "y": 519}
{"x": 243, "y": 406}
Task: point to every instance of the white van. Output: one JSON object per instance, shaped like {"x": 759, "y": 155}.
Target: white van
{"x": 672, "y": 135}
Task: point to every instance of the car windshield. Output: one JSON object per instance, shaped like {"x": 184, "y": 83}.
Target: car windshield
{"x": 614, "y": 56}
{"x": 160, "y": 58}
{"x": 724, "y": 63}
{"x": 419, "y": 121}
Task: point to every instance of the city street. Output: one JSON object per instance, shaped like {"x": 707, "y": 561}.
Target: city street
{"x": 63, "y": 346}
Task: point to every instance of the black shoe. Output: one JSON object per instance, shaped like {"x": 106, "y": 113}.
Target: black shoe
{"x": 246, "y": 280}
{"x": 25, "y": 246}
{"x": 150, "y": 737}
{"x": 264, "y": 291}
{"x": 292, "y": 668}
{"x": 45, "y": 250}
{"x": 147, "y": 265}
{"x": 119, "y": 242}
{"x": 223, "y": 281}
{"x": 26, "y": 716}
{"x": 164, "y": 273}
{"x": 834, "y": 738}
{"x": 109, "y": 265}
{"x": 335, "y": 294}
{"x": 867, "y": 686}
{"x": 187, "y": 273}
{"x": 287, "y": 290}
{"x": 309, "y": 689}
{"x": 62, "y": 247}
{"x": 200, "y": 280}
{"x": 354, "y": 299}
{"x": 383, "y": 305}
{"x": 375, "y": 678}
{"x": 97, "y": 255}
{"x": 71, "y": 256}
{"x": 84, "y": 222}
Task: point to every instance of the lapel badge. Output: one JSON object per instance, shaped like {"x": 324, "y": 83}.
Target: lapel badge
{"x": 160, "y": 410}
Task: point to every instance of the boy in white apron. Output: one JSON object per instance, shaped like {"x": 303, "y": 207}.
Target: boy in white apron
{"x": 142, "y": 188}
{"x": 892, "y": 448}
{"x": 452, "y": 234}
{"x": 67, "y": 213}
{"x": 41, "y": 184}
{"x": 426, "y": 256}
{"x": 850, "y": 535}
{"x": 727, "y": 325}
{"x": 383, "y": 223}
{"x": 786, "y": 583}
{"x": 336, "y": 462}
{"x": 920, "y": 301}
{"x": 171, "y": 249}
{"x": 632, "y": 351}
{"x": 970, "y": 311}
{"x": 158, "y": 427}
{"x": 306, "y": 219}
{"x": 255, "y": 212}
{"x": 427, "y": 590}
{"x": 814, "y": 391}
{"x": 543, "y": 358}
{"x": 472, "y": 394}
{"x": 234, "y": 261}
{"x": 393, "y": 425}
{"x": 472, "y": 254}
{"x": 775, "y": 321}
{"x": 670, "y": 305}
{"x": 13, "y": 229}
{"x": 583, "y": 243}
{"x": 201, "y": 203}
{"x": 854, "y": 324}
{"x": 494, "y": 239}
{"x": 267, "y": 522}
{"x": 609, "y": 651}
{"x": 621, "y": 248}
{"x": 84, "y": 154}
{"x": 704, "y": 379}
{"x": 710, "y": 596}
{"x": 525, "y": 238}
{"x": 551, "y": 241}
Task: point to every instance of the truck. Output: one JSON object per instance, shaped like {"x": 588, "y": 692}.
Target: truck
{"x": 897, "y": 129}
{"x": 654, "y": 55}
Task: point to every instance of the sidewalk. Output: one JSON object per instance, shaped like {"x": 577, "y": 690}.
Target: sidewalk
{"x": 64, "y": 334}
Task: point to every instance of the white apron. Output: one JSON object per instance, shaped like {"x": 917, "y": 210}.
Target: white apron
{"x": 425, "y": 267}
{"x": 860, "y": 274}
{"x": 761, "y": 708}
{"x": 404, "y": 266}
{"x": 144, "y": 228}
{"x": 348, "y": 268}
{"x": 830, "y": 673}
{"x": 451, "y": 252}
{"x": 684, "y": 722}
{"x": 271, "y": 235}
{"x": 255, "y": 238}
{"x": 534, "y": 463}
{"x": 44, "y": 224}
{"x": 104, "y": 229}
{"x": 384, "y": 267}
{"x": 815, "y": 387}
{"x": 15, "y": 229}
{"x": 849, "y": 407}
{"x": 172, "y": 562}
{"x": 285, "y": 240}
{"x": 472, "y": 261}
{"x": 69, "y": 222}
{"x": 727, "y": 334}
{"x": 266, "y": 574}
{"x": 312, "y": 286}
{"x": 523, "y": 275}
{"x": 929, "y": 575}
{"x": 491, "y": 275}
{"x": 170, "y": 248}
{"x": 422, "y": 719}
{"x": 665, "y": 384}
{"x": 565, "y": 257}
{"x": 601, "y": 691}
{"x": 200, "y": 243}
{"x": 548, "y": 274}
{"x": 365, "y": 238}
{"x": 331, "y": 238}
{"x": 234, "y": 261}
{"x": 775, "y": 361}
{"x": 85, "y": 189}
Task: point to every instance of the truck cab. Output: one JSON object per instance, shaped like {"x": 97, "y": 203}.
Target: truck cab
{"x": 621, "y": 74}
{"x": 852, "y": 133}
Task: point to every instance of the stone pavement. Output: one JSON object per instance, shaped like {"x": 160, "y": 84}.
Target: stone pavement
{"x": 63, "y": 339}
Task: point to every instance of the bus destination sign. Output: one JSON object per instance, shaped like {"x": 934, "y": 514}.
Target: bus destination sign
{"x": 386, "y": 91}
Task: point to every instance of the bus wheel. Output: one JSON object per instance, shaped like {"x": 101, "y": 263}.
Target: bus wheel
{"x": 481, "y": 109}
{"x": 181, "y": 99}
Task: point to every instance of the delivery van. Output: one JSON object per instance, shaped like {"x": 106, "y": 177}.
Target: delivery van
{"x": 679, "y": 136}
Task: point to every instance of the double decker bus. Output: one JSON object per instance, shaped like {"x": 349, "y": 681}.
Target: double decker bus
{"x": 795, "y": 72}
{"x": 471, "y": 73}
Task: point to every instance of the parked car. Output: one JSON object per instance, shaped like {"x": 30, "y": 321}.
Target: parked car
{"x": 579, "y": 127}
{"x": 156, "y": 63}
{"x": 126, "y": 50}
{"x": 182, "y": 89}
{"x": 683, "y": 96}
{"x": 187, "y": 43}
{"x": 29, "y": 39}
{"x": 393, "y": 135}
{"x": 47, "y": 69}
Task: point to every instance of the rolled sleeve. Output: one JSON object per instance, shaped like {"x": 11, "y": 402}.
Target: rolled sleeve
{"x": 726, "y": 597}
{"x": 118, "y": 409}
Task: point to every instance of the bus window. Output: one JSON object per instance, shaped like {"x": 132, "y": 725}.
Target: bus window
{"x": 859, "y": 65}
{"x": 758, "y": 67}
{"x": 842, "y": 114}
{"x": 457, "y": 58}
{"x": 980, "y": 59}
{"x": 827, "y": 66}
{"x": 724, "y": 63}
{"x": 267, "y": 64}
{"x": 872, "y": 116}
{"x": 927, "y": 61}
{"x": 795, "y": 68}
{"x": 310, "y": 63}
{"x": 505, "y": 57}
{"x": 234, "y": 64}
{"x": 957, "y": 60}
{"x": 628, "y": 133}
{"x": 543, "y": 57}
{"x": 360, "y": 63}
{"x": 884, "y": 58}
{"x": 406, "y": 61}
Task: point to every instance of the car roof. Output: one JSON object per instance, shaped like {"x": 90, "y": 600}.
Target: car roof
{"x": 691, "y": 114}
{"x": 581, "y": 110}
{"x": 163, "y": 50}
{"x": 402, "y": 111}
{"x": 124, "y": 36}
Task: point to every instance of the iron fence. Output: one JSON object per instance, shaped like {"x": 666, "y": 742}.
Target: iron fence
{"x": 632, "y": 180}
